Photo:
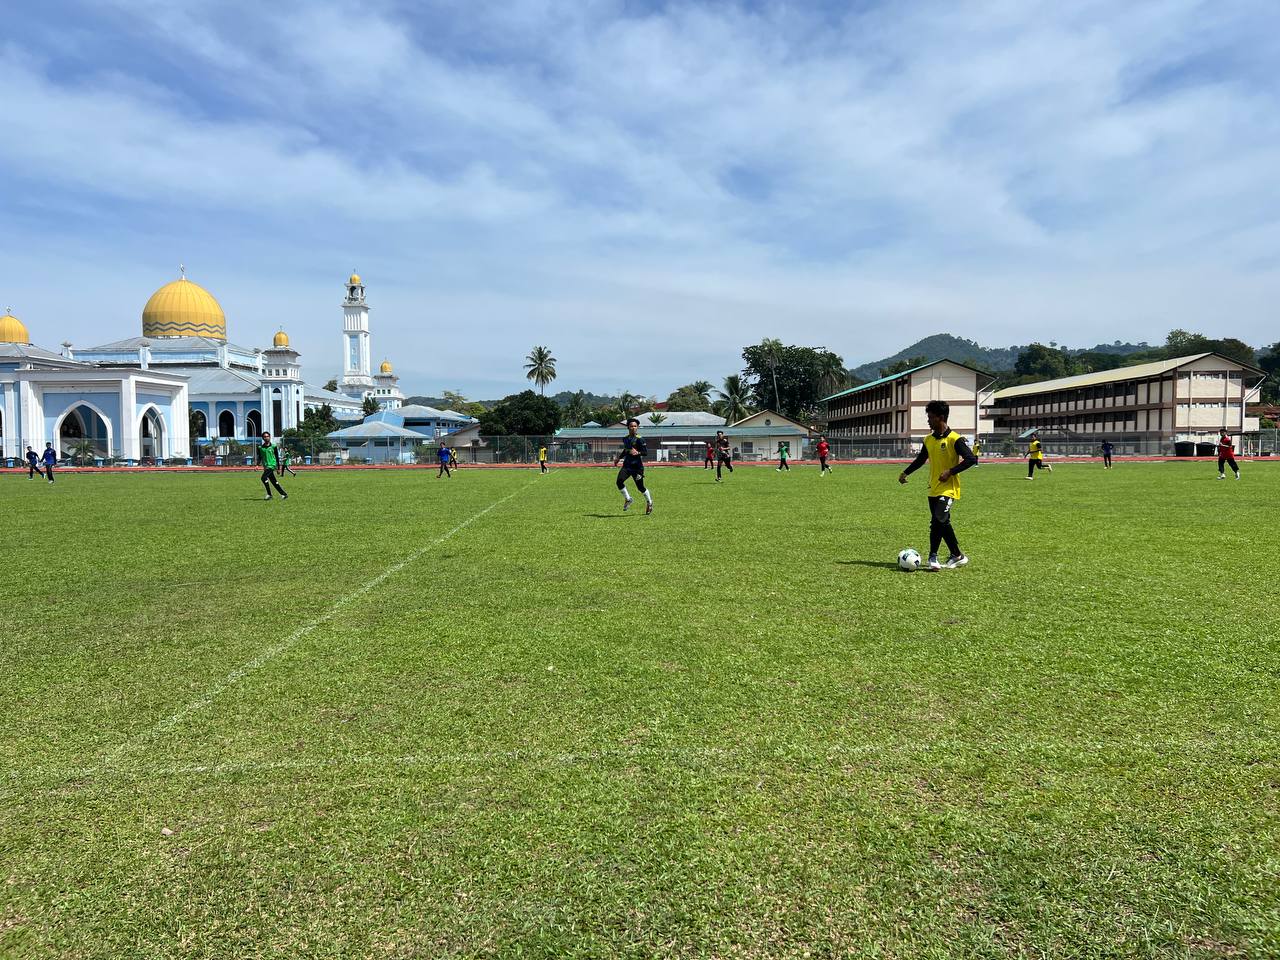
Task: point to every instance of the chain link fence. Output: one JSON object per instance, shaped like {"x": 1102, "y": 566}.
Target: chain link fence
{"x": 525, "y": 450}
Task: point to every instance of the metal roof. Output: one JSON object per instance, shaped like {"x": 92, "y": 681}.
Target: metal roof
{"x": 27, "y": 351}
{"x": 420, "y": 411}
{"x": 375, "y": 431}
{"x": 898, "y": 376}
{"x": 681, "y": 418}
{"x": 662, "y": 431}
{"x": 1138, "y": 371}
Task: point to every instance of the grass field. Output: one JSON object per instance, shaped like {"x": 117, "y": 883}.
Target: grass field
{"x": 492, "y": 716}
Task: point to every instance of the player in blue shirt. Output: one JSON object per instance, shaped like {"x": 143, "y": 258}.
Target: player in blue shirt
{"x": 33, "y": 465}
{"x": 442, "y": 455}
{"x": 1107, "y": 448}
{"x": 50, "y": 460}
{"x": 631, "y": 456}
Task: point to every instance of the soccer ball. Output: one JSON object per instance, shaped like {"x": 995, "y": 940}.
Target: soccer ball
{"x": 909, "y": 560}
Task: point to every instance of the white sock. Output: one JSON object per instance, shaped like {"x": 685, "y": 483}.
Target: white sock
{"x": 626, "y": 497}
{"x": 648, "y": 498}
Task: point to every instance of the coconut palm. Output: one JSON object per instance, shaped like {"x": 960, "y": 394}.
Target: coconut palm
{"x": 732, "y": 404}
{"x": 541, "y": 367}
{"x": 576, "y": 411}
{"x": 656, "y": 418}
{"x": 628, "y": 402}
{"x": 832, "y": 375}
{"x": 703, "y": 388}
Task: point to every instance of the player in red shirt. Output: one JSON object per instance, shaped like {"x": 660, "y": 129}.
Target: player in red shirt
{"x": 824, "y": 451}
{"x": 708, "y": 458}
{"x": 1226, "y": 456}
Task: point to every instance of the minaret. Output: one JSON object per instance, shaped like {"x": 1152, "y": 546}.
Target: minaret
{"x": 282, "y": 385}
{"x": 388, "y": 392}
{"x": 357, "y": 379}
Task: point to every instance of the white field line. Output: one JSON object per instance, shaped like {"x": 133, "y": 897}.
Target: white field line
{"x": 270, "y": 653}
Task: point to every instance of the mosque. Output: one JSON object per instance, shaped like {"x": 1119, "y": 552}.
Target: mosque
{"x": 182, "y": 380}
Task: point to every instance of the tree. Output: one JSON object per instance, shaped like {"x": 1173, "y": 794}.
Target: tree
{"x": 832, "y": 376}
{"x": 628, "y": 402}
{"x": 459, "y": 404}
{"x": 311, "y": 434}
{"x": 1270, "y": 362}
{"x": 576, "y": 411}
{"x": 703, "y": 387}
{"x": 331, "y": 385}
{"x": 1038, "y": 362}
{"x": 656, "y": 418}
{"x": 541, "y": 367}
{"x": 1180, "y": 343}
{"x": 689, "y": 397}
{"x": 369, "y": 406}
{"x": 788, "y": 378}
{"x": 902, "y": 366}
{"x": 1235, "y": 349}
{"x": 525, "y": 414}
{"x": 733, "y": 403}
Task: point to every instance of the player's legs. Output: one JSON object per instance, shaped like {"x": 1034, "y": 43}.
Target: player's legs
{"x": 48, "y": 472}
{"x": 623, "y": 473}
{"x": 1031, "y": 469}
{"x": 941, "y": 529}
{"x": 638, "y": 477}
{"x": 1222, "y": 463}
{"x": 1231, "y": 462}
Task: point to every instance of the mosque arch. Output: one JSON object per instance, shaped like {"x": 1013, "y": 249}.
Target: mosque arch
{"x": 227, "y": 424}
{"x": 151, "y": 432}
{"x": 199, "y": 425}
{"x": 253, "y": 424}
{"x": 73, "y": 426}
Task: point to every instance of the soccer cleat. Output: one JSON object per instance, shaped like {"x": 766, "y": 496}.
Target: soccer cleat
{"x": 933, "y": 563}
{"x": 1028, "y": 478}
{"x": 648, "y": 509}
{"x": 284, "y": 496}
{"x": 1237, "y": 476}
{"x": 1222, "y": 476}
{"x": 626, "y": 505}
{"x": 267, "y": 497}
{"x": 959, "y": 560}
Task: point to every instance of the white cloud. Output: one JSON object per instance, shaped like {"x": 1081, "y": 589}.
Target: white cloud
{"x": 679, "y": 182}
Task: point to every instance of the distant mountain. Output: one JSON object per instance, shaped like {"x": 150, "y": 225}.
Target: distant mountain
{"x": 991, "y": 359}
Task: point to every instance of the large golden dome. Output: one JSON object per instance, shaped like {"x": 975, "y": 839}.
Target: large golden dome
{"x": 12, "y": 330}
{"x": 183, "y": 309}
{"x": 281, "y": 339}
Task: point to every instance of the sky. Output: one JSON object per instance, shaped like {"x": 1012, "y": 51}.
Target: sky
{"x": 643, "y": 187}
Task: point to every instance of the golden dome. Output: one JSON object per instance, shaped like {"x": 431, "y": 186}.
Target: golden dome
{"x": 386, "y": 366}
{"x": 355, "y": 280}
{"x": 12, "y": 330}
{"x": 183, "y": 309}
{"x": 281, "y": 339}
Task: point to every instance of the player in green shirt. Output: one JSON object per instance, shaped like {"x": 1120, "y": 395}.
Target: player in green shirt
{"x": 269, "y": 457}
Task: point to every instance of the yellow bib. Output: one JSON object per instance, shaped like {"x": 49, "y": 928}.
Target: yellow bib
{"x": 943, "y": 456}
{"x": 1036, "y": 452}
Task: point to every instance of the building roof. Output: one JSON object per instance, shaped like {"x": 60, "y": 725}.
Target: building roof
{"x": 1139, "y": 371}
{"x": 162, "y": 345}
{"x": 183, "y": 308}
{"x": 903, "y": 373}
{"x": 26, "y": 351}
{"x": 418, "y": 411}
{"x": 662, "y": 431}
{"x": 202, "y": 380}
{"x": 375, "y": 431}
{"x": 681, "y": 418}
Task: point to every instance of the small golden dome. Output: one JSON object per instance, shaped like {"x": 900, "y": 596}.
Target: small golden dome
{"x": 386, "y": 366}
{"x": 183, "y": 309}
{"x": 355, "y": 280}
{"x": 281, "y": 339}
{"x": 12, "y": 330}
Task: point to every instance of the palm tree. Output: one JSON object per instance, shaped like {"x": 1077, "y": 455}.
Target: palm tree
{"x": 832, "y": 375}
{"x": 541, "y": 367}
{"x": 628, "y": 402}
{"x": 732, "y": 404}
{"x": 773, "y": 356}
{"x": 703, "y": 388}
{"x": 576, "y": 412}
{"x": 656, "y": 418}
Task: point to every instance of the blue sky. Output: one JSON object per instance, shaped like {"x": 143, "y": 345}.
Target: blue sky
{"x": 644, "y": 187}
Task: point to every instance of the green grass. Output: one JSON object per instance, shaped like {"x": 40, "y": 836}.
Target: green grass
{"x": 728, "y": 729}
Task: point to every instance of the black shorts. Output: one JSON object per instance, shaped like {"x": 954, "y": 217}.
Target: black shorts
{"x": 634, "y": 471}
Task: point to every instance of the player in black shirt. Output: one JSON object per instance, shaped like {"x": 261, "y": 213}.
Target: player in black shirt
{"x": 723, "y": 456}
{"x": 631, "y": 456}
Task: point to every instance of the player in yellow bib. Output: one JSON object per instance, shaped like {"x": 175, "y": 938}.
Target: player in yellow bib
{"x": 948, "y": 455}
{"x": 542, "y": 459}
{"x": 1035, "y": 457}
